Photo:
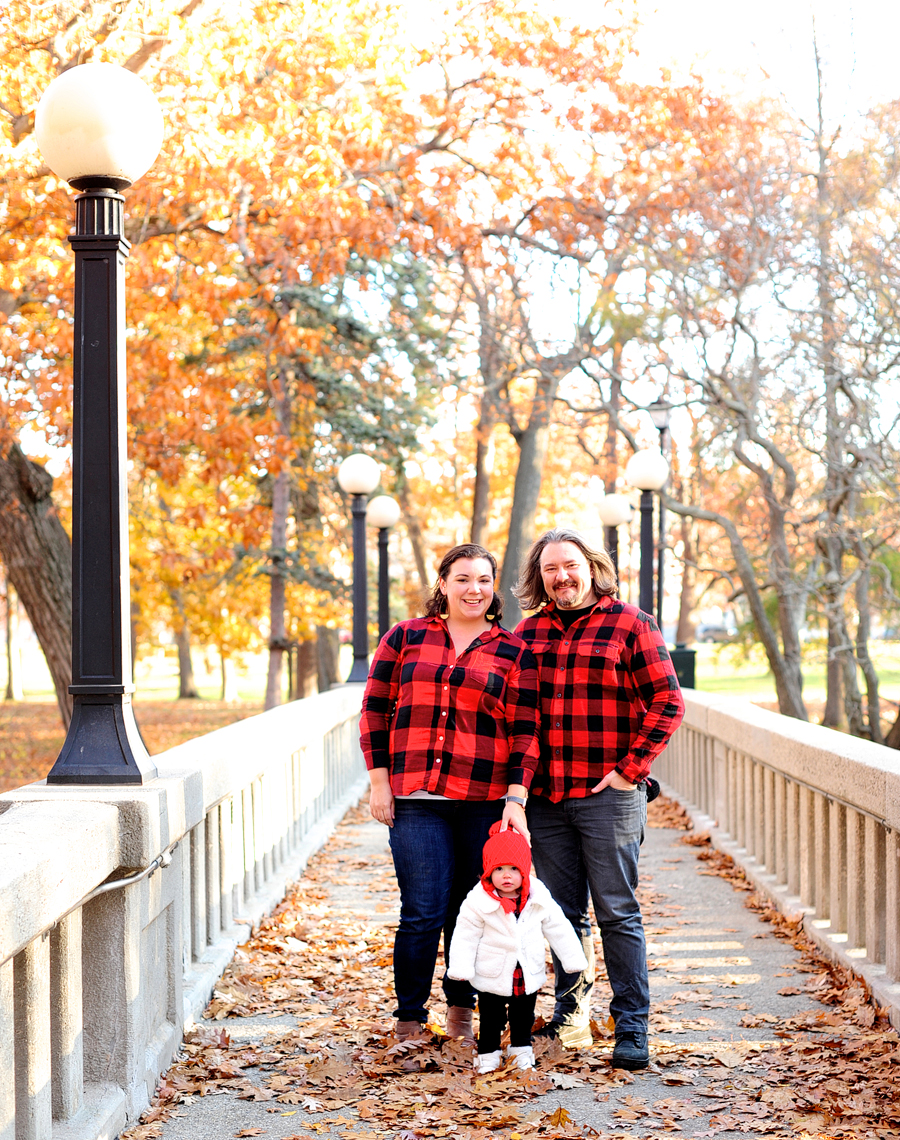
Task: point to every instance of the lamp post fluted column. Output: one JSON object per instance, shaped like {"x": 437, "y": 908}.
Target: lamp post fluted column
{"x": 358, "y": 476}
{"x": 100, "y": 129}
{"x": 383, "y": 512}
{"x": 103, "y": 744}
{"x": 647, "y": 470}
{"x": 645, "y": 581}
{"x": 660, "y": 413}
{"x": 384, "y": 607}
{"x": 360, "y": 670}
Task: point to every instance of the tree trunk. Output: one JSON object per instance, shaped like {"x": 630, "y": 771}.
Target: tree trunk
{"x": 834, "y": 668}
{"x": 414, "y": 533}
{"x": 13, "y": 646}
{"x": 853, "y": 709}
{"x": 785, "y": 586}
{"x": 229, "y": 690}
{"x": 481, "y": 495}
{"x": 277, "y": 636}
{"x": 532, "y": 443}
{"x": 38, "y": 557}
{"x": 830, "y": 542}
{"x": 307, "y": 668}
{"x": 863, "y": 630}
{"x": 187, "y": 687}
{"x": 892, "y": 740}
{"x": 327, "y": 647}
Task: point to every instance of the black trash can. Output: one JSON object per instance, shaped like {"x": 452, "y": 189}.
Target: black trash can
{"x": 684, "y": 660}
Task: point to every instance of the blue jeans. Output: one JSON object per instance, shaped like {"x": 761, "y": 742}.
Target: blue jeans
{"x": 590, "y": 847}
{"x": 436, "y": 846}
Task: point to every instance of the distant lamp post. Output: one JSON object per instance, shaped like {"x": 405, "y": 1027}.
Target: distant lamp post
{"x": 613, "y": 510}
{"x": 660, "y": 412}
{"x": 358, "y": 476}
{"x": 646, "y": 470}
{"x": 100, "y": 128}
{"x": 383, "y": 512}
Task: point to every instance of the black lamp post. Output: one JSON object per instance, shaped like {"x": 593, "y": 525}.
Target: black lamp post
{"x": 359, "y": 475}
{"x": 647, "y": 470}
{"x": 660, "y": 412}
{"x": 100, "y": 128}
{"x": 383, "y": 512}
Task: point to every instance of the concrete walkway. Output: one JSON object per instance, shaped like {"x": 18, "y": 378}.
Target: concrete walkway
{"x": 315, "y": 1057}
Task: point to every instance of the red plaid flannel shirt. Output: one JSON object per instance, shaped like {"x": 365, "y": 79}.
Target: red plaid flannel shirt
{"x": 466, "y": 727}
{"x": 610, "y": 698}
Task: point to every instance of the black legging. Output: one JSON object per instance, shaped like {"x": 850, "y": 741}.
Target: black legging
{"x": 492, "y": 1016}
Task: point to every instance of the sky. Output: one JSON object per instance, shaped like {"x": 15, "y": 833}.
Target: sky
{"x": 738, "y": 42}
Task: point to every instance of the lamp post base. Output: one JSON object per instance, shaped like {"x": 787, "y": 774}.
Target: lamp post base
{"x": 360, "y": 670}
{"x": 103, "y": 744}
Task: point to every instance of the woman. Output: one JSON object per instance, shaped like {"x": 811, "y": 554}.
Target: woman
{"x": 449, "y": 731}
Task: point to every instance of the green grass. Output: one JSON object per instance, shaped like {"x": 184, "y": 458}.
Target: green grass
{"x": 730, "y": 670}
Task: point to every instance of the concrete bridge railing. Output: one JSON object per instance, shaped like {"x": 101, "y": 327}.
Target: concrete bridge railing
{"x": 98, "y": 977}
{"x": 813, "y": 817}
{"x": 120, "y": 908}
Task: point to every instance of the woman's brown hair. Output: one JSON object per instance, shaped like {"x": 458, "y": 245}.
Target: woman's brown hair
{"x": 434, "y": 606}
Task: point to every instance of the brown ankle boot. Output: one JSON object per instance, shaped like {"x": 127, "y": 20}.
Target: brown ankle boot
{"x": 403, "y": 1030}
{"x": 459, "y": 1023}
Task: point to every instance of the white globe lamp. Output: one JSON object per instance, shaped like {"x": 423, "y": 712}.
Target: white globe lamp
{"x": 647, "y": 470}
{"x": 99, "y": 125}
{"x": 383, "y": 512}
{"x": 614, "y": 509}
{"x": 359, "y": 474}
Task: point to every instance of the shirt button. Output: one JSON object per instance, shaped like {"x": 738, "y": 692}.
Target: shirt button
{"x": 445, "y": 688}
{"x": 443, "y": 714}
{"x": 440, "y": 738}
{"x": 559, "y": 694}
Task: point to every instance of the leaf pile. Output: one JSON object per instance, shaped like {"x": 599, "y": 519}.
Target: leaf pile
{"x": 830, "y": 1071}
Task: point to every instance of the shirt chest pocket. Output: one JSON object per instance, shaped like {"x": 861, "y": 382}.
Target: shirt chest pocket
{"x": 598, "y": 655}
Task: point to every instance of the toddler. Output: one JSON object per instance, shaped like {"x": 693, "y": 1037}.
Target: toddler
{"x": 498, "y": 946}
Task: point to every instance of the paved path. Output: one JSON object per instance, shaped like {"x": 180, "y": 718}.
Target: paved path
{"x": 315, "y": 1057}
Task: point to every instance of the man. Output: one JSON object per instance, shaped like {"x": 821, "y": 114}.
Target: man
{"x": 610, "y": 700}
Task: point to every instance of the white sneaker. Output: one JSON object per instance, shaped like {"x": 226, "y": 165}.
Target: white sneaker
{"x": 522, "y": 1054}
{"x": 487, "y": 1062}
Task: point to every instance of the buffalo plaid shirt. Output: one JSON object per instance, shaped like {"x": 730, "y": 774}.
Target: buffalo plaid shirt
{"x": 610, "y": 698}
{"x": 465, "y": 728}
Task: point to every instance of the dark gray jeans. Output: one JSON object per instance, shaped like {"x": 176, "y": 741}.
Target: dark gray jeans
{"x": 588, "y": 848}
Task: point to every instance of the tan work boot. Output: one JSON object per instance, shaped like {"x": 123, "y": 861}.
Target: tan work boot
{"x": 459, "y": 1023}
{"x": 406, "y": 1029}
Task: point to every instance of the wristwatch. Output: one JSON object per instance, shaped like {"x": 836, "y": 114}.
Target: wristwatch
{"x": 515, "y": 800}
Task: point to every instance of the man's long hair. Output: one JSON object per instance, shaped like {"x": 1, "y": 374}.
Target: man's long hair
{"x": 530, "y": 588}
{"x": 436, "y": 602}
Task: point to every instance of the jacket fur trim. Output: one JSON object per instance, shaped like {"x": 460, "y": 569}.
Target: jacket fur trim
{"x": 488, "y": 941}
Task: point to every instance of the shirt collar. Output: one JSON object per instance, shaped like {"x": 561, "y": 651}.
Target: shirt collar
{"x": 604, "y": 602}
{"x": 488, "y": 634}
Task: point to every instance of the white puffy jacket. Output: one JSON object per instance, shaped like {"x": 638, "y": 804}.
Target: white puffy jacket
{"x": 488, "y": 941}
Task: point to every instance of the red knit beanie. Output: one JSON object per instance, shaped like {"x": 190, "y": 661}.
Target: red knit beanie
{"x": 506, "y": 847}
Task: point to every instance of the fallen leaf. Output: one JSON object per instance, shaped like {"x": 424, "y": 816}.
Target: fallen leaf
{"x": 565, "y": 1080}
